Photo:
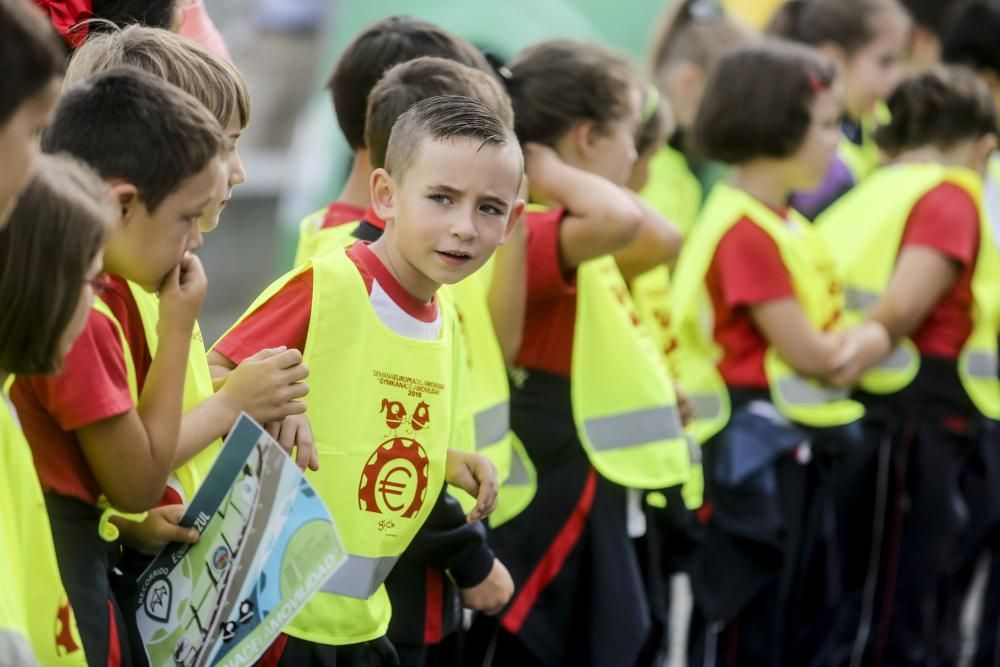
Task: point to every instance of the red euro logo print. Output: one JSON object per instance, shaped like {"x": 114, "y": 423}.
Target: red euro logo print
{"x": 395, "y": 478}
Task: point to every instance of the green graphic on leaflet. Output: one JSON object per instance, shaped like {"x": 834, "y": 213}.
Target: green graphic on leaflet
{"x": 267, "y": 544}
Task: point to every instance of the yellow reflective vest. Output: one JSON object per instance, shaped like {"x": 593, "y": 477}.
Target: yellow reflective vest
{"x": 623, "y": 399}
{"x": 813, "y": 276}
{"x": 37, "y": 625}
{"x": 383, "y": 411}
{"x": 864, "y": 231}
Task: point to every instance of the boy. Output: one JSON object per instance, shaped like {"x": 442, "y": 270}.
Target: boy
{"x": 388, "y": 42}
{"x": 424, "y": 597}
{"x": 449, "y": 197}
{"x": 101, "y": 432}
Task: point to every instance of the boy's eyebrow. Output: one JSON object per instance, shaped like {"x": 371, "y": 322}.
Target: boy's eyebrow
{"x": 447, "y": 189}
{"x": 496, "y": 200}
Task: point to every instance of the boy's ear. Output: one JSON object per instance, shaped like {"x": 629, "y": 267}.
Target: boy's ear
{"x": 584, "y": 134}
{"x": 382, "y": 190}
{"x": 514, "y": 218}
{"x": 982, "y": 151}
{"x": 126, "y": 196}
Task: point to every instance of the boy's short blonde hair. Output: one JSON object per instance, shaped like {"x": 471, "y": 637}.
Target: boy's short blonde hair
{"x": 208, "y": 77}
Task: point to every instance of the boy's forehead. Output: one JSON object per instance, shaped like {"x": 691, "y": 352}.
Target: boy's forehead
{"x": 467, "y": 156}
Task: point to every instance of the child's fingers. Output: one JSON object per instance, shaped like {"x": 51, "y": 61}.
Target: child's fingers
{"x": 266, "y": 353}
{"x": 305, "y": 447}
{"x": 298, "y": 390}
{"x": 288, "y": 359}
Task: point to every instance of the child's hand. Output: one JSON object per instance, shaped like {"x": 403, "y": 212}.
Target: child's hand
{"x": 492, "y": 594}
{"x": 295, "y": 432}
{"x": 159, "y": 529}
{"x": 862, "y": 347}
{"x": 182, "y": 292}
{"x": 267, "y": 385}
{"x": 477, "y": 476}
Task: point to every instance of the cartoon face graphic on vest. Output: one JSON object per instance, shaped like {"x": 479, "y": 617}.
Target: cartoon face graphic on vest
{"x": 421, "y": 417}
{"x": 395, "y": 413}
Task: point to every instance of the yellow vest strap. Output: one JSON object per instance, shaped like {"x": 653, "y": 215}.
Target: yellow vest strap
{"x": 492, "y": 425}
{"x": 16, "y": 648}
{"x": 630, "y": 429}
{"x": 360, "y": 576}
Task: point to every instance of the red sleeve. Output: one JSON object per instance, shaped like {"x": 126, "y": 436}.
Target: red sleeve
{"x": 750, "y": 268}
{"x": 281, "y": 320}
{"x": 945, "y": 219}
{"x": 93, "y": 383}
{"x": 546, "y": 278}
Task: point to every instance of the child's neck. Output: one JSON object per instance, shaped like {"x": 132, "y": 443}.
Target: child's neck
{"x": 355, "y": 190}
{"x": 410, "y": 279}
{"x": 933, "y": 155}
{"x": 762, "y": 180}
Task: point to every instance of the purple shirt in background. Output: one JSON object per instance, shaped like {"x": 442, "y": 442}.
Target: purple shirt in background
{"x": 837, "y": 181}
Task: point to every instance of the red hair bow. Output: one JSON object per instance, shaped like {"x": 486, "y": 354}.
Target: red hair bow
{"x": 67, "y": 18}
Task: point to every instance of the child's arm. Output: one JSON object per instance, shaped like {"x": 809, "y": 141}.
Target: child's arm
{"x": 132, "y": 454}
{"x": 657, "y": 243}
{"x": 807, "y": 350}
{"x": 266, "y": 386}
{"x": 921, "y": 277}
{"x": 601, "y": 217}
{"x": 509, "y": 292}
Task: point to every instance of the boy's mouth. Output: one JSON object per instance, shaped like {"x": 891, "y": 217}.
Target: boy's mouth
{"x": 454, "y": 257}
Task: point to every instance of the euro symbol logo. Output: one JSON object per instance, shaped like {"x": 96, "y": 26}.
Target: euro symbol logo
{"x": 387, "y": 487}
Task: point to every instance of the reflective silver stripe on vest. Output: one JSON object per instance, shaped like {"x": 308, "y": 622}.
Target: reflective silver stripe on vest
{"x": 796, "y": 390}
{"x": 706, "y": 406}
{"x": 15, "y": 651}
{"x": 857, "y": 299}
{"x": 898, "y": 360}
{"x": 359, "y": 576}
{"x": 981, "y": 365}
{"x": 518, "y": 472}
{"x": 492, "y": 425}
{"x": 631, "y": 429}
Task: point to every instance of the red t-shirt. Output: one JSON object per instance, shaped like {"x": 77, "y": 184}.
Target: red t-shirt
{"x": 746, "y": 269}
{"x": 91, "y": 387}
{"x": 946, "y": 219}
{"x": 284, "y": 318}
{"x": 341, "y": 213}
{"x": 550, "y": 311}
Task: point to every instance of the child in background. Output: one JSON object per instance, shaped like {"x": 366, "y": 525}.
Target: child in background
{"x": 98, "y": 417}
{"x": 759, "y": 585}
{"x": 28, "y": 92}
{"x": 577, "y": 108}
{"x": 867, "y": 39}
{"x": 448, "y": 196}
{"x": 74, "y": 20}
{"x": 918, "y": 257}
{"x": 386, "y": 43}
{"x": 930, "y": 20}
{"x": 692, "y": 38}
{"x": 266, "y": 387}
{"x": 61, "y": 222}
{"x": 969, "y": 39}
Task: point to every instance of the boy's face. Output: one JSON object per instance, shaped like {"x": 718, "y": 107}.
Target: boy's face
{"x": 18, "y": 146}
{"x": 149, "y": 244}
{"x": 235, "y": 175}
{"x": 454, "y": 205}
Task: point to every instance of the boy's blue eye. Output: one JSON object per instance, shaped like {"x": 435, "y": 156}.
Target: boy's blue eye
{"x": 489, "y": 209}
{"x": 440, "y": 199}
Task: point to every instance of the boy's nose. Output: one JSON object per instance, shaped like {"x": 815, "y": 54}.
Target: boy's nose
{"x": 463, "y": 227}
{"x": 195, "y": 240}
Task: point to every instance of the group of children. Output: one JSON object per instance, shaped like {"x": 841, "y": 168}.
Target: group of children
{"x": 736, "y": 317}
